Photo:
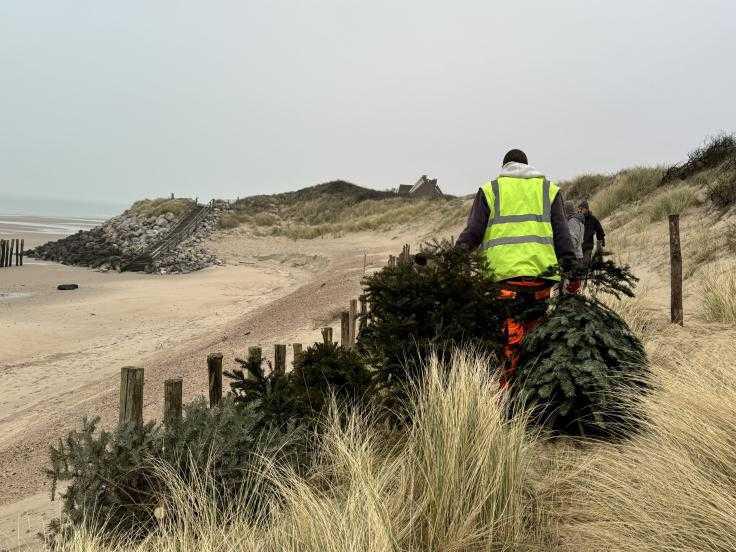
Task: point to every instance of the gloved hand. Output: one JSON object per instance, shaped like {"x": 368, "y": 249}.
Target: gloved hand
{"x": 572, "y": 286}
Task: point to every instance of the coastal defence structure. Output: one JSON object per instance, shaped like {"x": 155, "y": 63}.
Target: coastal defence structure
{"x": 183, "y": 230}
{"x": 11, "y": 250}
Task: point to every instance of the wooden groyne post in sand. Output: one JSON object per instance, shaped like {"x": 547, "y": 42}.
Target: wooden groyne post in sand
{"x": 12, "y": 249}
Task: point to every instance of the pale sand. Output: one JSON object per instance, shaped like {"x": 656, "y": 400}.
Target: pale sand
{"x": 61, "y": 352}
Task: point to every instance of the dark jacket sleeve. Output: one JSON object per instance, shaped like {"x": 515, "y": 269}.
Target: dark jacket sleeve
{"x": 472, "y": 236}
{"x": 600, "y": 235}
{"x": 561, "y": 235}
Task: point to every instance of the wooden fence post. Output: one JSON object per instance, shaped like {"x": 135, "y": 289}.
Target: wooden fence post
{"x": 279, "y": 359}
{"x": 214, "y": 369}
{"x": 327, "y": 335}
{"x": 22, "y": 250}
{"x": 131, "y": 396}
{"x": 363, "y": 311}
{"x": 297, "y": 352}
{"x": 353, "y": 320}
{"x": 10, "y": 256}
{"x": 2, "y": 253}
{"x": 676, "y": 313}
{"x": 345, "y": 329}
{"x": 172, "y": 401}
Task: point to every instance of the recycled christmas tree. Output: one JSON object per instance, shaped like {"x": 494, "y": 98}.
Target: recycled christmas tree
{"x": 298, "y": 397}
{"x": 416, "y": 309}
{"x": 582, "y": 369}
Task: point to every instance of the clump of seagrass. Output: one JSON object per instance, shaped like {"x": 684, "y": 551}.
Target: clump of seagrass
{"x": 417, "y": 309}
{"x": 582, "y": 368}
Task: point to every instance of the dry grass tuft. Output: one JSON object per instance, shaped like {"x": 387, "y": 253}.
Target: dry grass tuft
{"x": 674, "y": 486}
{"x": 674, "y": 201}
{"x": 637, "y": 312}
{"x": 718, "y": 289}
{"x": 628, "y": 187}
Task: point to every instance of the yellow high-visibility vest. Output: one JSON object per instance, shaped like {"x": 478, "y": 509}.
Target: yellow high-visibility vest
{"x": 518, "y": 238}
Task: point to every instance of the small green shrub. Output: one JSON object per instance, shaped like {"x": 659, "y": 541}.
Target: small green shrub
{"x": 265, "y": 219}
{"x": 711, "y": 154}
{"x": 671, "y": 202}
{"x": 162, "y": 206}
{"x": 721, "y": 191}
{"x": 228, "y": 221}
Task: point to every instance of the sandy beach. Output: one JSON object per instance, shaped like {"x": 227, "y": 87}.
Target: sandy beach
{"x": 62, "y": 351}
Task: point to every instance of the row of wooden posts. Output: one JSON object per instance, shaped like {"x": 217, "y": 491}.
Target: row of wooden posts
{"x": 11, "y": 249}
{"x": 132, "y": 378}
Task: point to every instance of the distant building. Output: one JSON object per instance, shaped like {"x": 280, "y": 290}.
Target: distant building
{"x": 424, "y": 187}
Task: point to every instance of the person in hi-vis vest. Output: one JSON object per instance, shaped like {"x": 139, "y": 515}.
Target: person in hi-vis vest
{"x": 519, "y": 223}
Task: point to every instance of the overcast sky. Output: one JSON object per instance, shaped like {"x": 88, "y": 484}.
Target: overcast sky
{"x": 121, "y": 100}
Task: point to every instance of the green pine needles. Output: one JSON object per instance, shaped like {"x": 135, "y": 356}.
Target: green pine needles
{"x": 418, "y": 310}
{"x": 582, "y": 370}
{"x": 323, "y": 371}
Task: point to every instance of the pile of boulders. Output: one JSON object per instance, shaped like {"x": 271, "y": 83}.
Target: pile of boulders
{"x": 122, "y": 239}
{"x": 190, "y": 254}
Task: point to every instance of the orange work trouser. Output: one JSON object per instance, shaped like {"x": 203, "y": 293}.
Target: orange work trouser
{"x": 526, "y": 291}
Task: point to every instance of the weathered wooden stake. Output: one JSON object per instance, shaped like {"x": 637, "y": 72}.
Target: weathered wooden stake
{"x": 214, "y": 369}
{"x": 345, "y": 329}
{"x": 365, "y": 261}
{"x": 363, "y": 311}
{"x": 327, "y": 335}
{"x": 131, "y": 396}
{"x": 353, "y": 321}
{"x": 255, "y": 355}
{"x": 297, "y": 351}
{"x": 279, "y": 359}
{"x": 172, "y": 401}
{"x": 22, "y": 250}
{"x": 2, "y": 253}
{"x": 676, "y": 312}
{"x": 10, "y": 257}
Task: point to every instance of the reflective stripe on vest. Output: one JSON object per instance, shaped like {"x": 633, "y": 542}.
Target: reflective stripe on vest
{"x": 518, "y": 240}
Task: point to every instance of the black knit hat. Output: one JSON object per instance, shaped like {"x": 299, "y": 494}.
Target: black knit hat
{"x": 515, "y": 155}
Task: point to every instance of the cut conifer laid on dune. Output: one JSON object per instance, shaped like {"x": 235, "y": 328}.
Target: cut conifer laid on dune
{"x": 582, "y": 369}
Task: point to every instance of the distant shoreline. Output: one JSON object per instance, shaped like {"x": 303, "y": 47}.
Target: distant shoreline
{"x": 36, "y": 230}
